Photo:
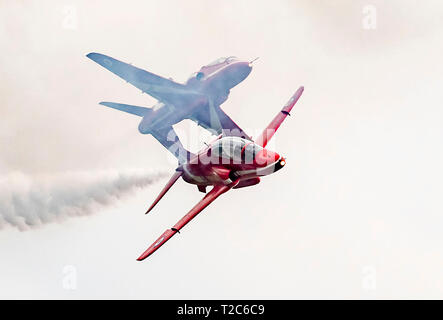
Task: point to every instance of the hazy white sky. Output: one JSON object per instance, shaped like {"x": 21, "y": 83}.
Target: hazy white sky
{"x": 356, "y": 213}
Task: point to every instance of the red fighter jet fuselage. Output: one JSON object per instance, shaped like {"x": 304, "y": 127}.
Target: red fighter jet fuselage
{"x": 227, "y": 163}
{"x": 231, "y": 161}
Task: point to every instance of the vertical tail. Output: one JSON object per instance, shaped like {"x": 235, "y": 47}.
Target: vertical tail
{"x": 165, "y": 135}
{"x": 272, "y": 127}
{"x": 169, "y": 139}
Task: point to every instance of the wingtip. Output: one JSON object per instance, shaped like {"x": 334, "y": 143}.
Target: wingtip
{"x": 298, "y": 93}
{"x": 143, "y": 256}
{"x": 95, "y": 56}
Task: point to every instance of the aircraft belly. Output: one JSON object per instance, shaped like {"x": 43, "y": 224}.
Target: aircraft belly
{"x": 163, "y": 118}
{"x": 203, "y": 176}
{"x": 193, "y": 175}
{"x": 169, "y": 115}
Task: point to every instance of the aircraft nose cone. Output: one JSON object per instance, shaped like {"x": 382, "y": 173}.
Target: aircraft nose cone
{"x": 265, "y": 157}
{"x": 279, "y": 164}
{"x": 245, "y": 68}
{"x": 241, "y": 71}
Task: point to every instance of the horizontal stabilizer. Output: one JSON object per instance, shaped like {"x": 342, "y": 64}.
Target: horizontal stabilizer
{"x": 166, "y": 188}
{"x": 138, "y": 111}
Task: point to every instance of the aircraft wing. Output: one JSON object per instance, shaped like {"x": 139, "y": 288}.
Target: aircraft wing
{"x": 208, "y": 198}
{"x": 158, "y": 87}
{"x": 219, "y": 122}
{"x": 272, "y": 127}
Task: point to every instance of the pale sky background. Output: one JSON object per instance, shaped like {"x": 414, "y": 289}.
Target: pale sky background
{"x": 356, "y": 213}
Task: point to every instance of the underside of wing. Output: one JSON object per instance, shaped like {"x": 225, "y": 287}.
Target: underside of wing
{"x": 208, "y": 198}
{"x": 158, "y": 87}
{"x": 219, "y": 122}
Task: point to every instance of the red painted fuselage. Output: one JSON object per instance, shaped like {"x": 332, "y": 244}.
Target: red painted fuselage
{"x": 231, "y": 161}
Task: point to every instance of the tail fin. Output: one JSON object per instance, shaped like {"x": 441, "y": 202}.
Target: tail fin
{"x": 138, "y": 111}
{"x": 168, "y": 186}
{"x": 169, "y": 139}
{"x": 165, "y": 135}
{"x": 272, "y": 127}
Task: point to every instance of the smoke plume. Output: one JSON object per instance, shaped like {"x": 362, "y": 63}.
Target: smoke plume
{"x": 27, "y": 202}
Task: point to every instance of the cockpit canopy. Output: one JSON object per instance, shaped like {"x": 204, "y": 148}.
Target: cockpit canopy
{"x": 199, "y": 75}
{"x": 236, "y": 149}
{"x": 222, "y": 60}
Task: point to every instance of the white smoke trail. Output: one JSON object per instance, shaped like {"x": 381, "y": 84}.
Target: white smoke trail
{"x": 27, "y": 202}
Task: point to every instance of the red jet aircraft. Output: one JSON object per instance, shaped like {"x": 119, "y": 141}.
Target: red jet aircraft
{"x": 230, "y": 162}
{"x": 198, "y": 99}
